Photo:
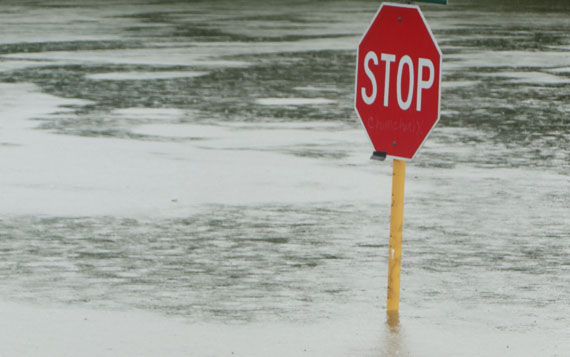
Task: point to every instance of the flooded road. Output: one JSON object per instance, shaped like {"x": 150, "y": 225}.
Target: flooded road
{"x": 202, "y": 162}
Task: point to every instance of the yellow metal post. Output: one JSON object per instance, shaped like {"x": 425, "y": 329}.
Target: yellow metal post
{"x": 396, "y": 224}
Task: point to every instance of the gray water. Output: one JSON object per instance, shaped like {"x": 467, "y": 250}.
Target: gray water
{"x": 487, "y": 222}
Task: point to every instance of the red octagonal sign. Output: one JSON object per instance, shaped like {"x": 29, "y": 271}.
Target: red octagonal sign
{"x": 398, "y": 78}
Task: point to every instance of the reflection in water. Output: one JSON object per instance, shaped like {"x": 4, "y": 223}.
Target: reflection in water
{"x": 393, "y": 335}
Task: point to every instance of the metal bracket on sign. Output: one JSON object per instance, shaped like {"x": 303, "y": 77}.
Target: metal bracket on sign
{"x": 378, "y": 155}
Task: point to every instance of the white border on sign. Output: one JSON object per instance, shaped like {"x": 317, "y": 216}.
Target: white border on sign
{"x": 440, "y": 76}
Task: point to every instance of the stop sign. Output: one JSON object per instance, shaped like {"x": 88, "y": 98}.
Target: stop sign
{"x": 398, "y": 77}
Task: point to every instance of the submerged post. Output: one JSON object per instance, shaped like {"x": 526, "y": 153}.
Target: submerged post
{"x": 396, "y": 225}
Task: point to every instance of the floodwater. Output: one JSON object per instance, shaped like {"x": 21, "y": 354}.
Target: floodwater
{"x": 202, "y": 161}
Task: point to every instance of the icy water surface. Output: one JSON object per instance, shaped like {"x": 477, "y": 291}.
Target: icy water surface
{"x": 203, "y": 160}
